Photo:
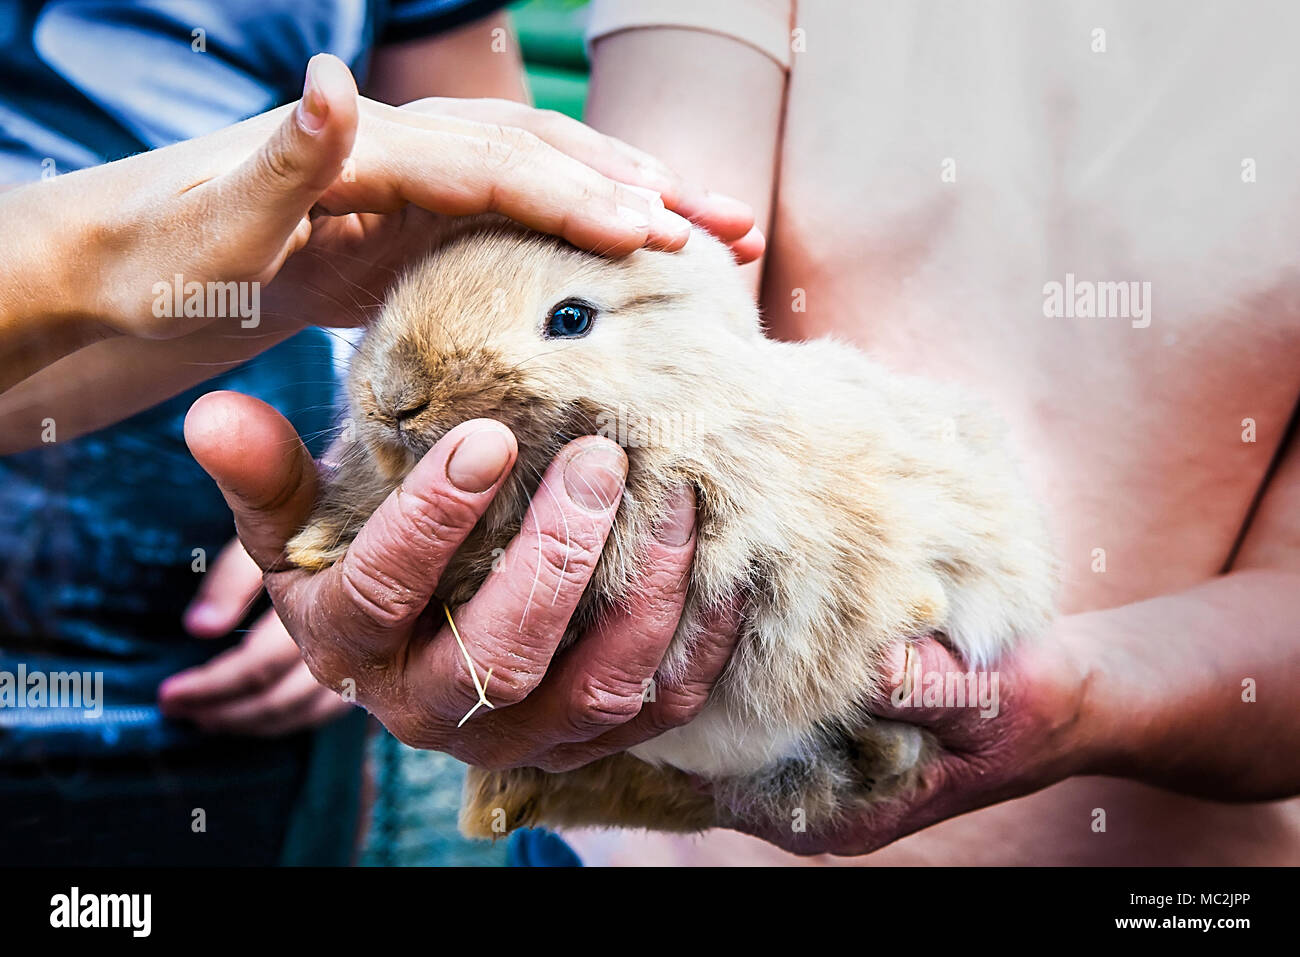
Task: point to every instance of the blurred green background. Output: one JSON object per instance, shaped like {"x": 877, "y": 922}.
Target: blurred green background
{"x": 550, "y": 34}
{"x": 417, "y": 793}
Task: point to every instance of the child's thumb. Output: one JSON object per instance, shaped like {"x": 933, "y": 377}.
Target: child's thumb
{"x": 303, "y": 157}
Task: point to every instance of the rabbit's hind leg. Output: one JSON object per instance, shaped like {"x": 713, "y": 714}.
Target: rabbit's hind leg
{"x": 844, "y": 774}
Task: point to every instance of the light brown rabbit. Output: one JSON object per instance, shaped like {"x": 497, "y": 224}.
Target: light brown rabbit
{"x": 851, "y": 507}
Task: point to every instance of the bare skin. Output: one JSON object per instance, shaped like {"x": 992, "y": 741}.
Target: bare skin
{"x": 1133, "y": 436}
{"x": 329, "y": 199}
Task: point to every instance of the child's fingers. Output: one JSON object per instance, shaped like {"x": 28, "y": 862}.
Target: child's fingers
{"x": 251, "y": 666}
{"x": 225, "y": 594}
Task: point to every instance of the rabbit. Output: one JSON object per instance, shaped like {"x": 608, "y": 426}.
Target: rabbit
{"x": 845, "y": 506}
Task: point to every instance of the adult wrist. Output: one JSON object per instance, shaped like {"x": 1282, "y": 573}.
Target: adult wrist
{"x": 1102, "y": 737}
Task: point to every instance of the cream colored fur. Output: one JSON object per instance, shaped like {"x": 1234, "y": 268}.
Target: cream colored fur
{"x": 849, "y": 506}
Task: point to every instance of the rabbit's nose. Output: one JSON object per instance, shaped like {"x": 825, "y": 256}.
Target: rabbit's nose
{"x": 404, "y": 415}
{"x": 397, "y": 403}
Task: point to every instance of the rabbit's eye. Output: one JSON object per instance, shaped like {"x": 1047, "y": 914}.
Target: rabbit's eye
{"x": 570, "y": 320}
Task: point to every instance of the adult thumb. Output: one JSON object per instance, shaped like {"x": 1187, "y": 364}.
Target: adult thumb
{"x": 304, "y": 156}
{"x": 263, "y": 470}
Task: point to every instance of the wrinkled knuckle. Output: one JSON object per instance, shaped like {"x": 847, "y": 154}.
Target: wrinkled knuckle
{"x": 437, "y": 523}
{"x": 508, "y": 685}
{"x": 567, "y": 559}
{"x": 464, "y": 688}
{"x": 661, "y": 601}
{"x": 677, "y": 705}
{"x": 600, "y": 706}
{"x": 375, "y": 593}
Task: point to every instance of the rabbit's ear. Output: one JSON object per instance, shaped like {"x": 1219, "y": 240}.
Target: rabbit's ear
{"x": 706, "y": 270}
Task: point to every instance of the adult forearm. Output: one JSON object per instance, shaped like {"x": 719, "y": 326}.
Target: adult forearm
{"x": 1196, "y": 691}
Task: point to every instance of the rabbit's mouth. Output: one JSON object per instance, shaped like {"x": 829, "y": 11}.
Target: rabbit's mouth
{"x": 408, "y": 408}
{"x": 411, "y": 440}
{"x": 542, "y": 428}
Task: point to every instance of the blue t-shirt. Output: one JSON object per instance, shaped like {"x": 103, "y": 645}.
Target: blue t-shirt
{"x": 98, "y": 535}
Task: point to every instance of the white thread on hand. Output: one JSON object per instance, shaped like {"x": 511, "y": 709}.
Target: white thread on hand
{"x": 473, "y": 670}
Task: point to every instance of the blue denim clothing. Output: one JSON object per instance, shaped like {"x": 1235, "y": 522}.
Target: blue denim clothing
{"x": 538, "y": 847}
{"x": 85, "y": 81}
{"x": 100, "y": 536}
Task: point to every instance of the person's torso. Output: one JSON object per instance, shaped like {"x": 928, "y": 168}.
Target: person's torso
{"x": 1006, "y": 164}
{"x": 943, "y": 165}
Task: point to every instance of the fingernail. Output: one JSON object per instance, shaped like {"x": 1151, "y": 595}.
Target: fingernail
{"x": 633, "y": 217}
{"x": 729, "y": 205}
{"x": 649, "y": 195}
{"x": 901, "y": 662}
{"x": 170, "y": 689}
{"x": 594, "y": 477}
{"x": 666, "y": 221}
{"x": 313, "y": 108}
{"x": 479, "y": 461}
{"x": 202, "y": 618}
{"x": 679, "y": 522}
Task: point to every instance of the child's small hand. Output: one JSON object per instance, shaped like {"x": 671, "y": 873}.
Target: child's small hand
{"x": 236, "y": 204}
{"x": 260, "y": 687}
{"x": 314, "y": 180}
